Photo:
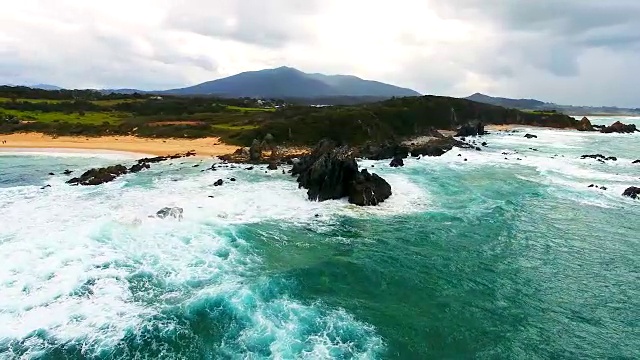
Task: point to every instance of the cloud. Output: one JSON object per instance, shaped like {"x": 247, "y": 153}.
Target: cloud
{"x": 570, "y": 51}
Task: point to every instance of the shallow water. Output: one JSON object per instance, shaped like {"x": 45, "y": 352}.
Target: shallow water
{"x": 488, "y": 258}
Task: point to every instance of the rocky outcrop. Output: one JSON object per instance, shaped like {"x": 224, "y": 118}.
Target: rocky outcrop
{"x": 584, "y": 125}
{"x": 471, "y": 129}
{"x": 397, "y": 162}
{"x": 632, "y": 192}
{"x": 174, "y": 212}
{"x": 382, "y": 151}
{"x": 99, "y": 175}
{"x": 368, "y": 189}
{"x": 331, "y": 172}
{"x": 531, "y": 136}
{"x": 619, "y": 127}
{"x": 438, "y": 147}
{"x": 599, "y": 157}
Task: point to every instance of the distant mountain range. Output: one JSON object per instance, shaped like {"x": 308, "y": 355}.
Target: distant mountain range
{"x": 537, "y": 105}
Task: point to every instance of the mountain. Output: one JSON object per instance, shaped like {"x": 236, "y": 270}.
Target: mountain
{"x": 286, "y": 82}
{"x": 45, "y": 87}
{"x": 506, "y": 102}
{"x": 537, "y": 105}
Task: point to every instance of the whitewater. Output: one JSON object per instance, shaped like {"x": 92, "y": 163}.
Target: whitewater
{"x": 503, "y": 253}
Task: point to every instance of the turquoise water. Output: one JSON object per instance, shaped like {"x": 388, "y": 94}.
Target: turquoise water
{"x": 491, "y": 258}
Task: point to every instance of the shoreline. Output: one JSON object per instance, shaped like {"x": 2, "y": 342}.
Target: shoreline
{"x": 37, "y": 142}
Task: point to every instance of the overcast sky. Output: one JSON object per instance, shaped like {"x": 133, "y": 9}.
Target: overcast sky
{"x": 581, "y": 52}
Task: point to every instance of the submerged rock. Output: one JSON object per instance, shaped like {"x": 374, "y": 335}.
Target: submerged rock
{"x": 531, "y": 136}
{"x": 218, "y": 183}
{"x": 632, "y": 192}
{"x": 619, "y": 127}
{"x": 68, "y": 172}
{"x": 174, "y": 212}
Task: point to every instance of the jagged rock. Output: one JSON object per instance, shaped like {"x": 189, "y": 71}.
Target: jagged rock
{"x": 272, "y": 166}
{"x": 331, "y": 172}
{"x": 619, "y": 127}
{"x": 531, "y": 136}
{"x": 584, "y": 125}
{"x": 397, "y": 162}
{"x": 368, "y": 189}
{"x": 99, "y": 176}
{"x": 632, "y": 192}
{"x": 218, "y": 183}
{"x": 174, "y": 212}
{"x": 471, "y": 129}
{"x": 255, "y": 151}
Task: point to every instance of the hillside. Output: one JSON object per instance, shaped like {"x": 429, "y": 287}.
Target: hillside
{"x": 530, "y": 104}
{"x": 239, "y": 121}
{"x": 285, "y": 82}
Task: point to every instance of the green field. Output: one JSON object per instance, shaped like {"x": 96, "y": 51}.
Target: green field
{"x": 90, "y": 117}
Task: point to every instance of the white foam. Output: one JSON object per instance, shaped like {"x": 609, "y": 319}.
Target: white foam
{"x": 67, "y": 153}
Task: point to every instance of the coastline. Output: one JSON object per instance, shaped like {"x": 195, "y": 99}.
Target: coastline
{"x": 130, "y": 144}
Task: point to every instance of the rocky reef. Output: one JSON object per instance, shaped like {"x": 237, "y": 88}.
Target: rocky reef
{"x": 98, "y": 176}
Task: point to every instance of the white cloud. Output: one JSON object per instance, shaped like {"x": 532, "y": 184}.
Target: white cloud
{"x": 563, "y": 51}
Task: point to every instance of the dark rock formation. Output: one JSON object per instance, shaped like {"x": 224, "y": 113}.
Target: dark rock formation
{"x": 438, "y": 147}
{"x": 599, "y": 157}
{"x": 584, "y": 125}
{"x": 484, "y": 143}
{"x": 331, "y": 172}
{"x": 218, "y": 183}
{"x": 471, "y": 129}
{"x": 99, "y": 176}
{"x": 636, "y": 162}
{"x": 272, "y": 166}
{"x": 531, "y": 136}
{"x": 386, "y": 150}
{"x": 397, "y": 162}
{"x": 598, "y": 187}
{"x": 68, "y": 172}
{"x": 51, "y": 174}
{"x": 139, "y": 167}
{"x": 632, "y": 192}
{"x": 368, "y": 189}
{"x": 44, "y": 187}
{"x": 174, "y": 212}
{"x": 619, "y": 127}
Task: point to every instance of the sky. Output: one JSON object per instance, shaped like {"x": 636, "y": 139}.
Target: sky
{"x": 578, "y": 52}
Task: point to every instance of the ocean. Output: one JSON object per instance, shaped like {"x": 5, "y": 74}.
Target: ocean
{"x": 497, "y": 257}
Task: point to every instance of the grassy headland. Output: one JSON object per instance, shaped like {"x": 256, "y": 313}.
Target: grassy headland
{"x": 238, "y": 121}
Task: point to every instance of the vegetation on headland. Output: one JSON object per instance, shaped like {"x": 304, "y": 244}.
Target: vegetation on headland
{"x": 239, "y": 121}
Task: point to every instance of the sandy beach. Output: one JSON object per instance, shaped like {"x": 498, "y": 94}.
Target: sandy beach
{"x": 203, "y": 147}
